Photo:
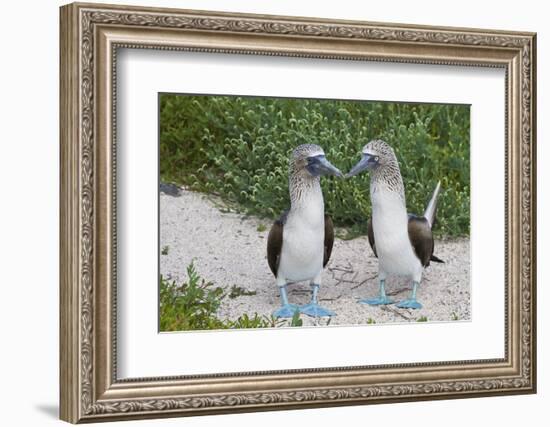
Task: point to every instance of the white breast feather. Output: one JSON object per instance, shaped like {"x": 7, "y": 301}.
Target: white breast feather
{"x": 390, "y": 225}
{"x": 303, "y": 240}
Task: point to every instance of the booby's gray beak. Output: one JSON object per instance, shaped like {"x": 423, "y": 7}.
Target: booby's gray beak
{"x": 367, "y": 162}
{"x": 319, "y": 165}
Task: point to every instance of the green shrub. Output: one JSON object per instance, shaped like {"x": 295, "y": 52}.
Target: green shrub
{"x": 239, "y": 148}
{"x": 193, "y": 306}
{"x": 296, "y": 321}
{"x": 238, "y": 291}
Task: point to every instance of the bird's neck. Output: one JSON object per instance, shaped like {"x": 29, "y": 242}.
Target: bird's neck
{"x": 386, "y": 182}
{"x": 306, "y": 196}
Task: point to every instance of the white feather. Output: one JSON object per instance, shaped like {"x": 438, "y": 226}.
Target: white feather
{"x": 429, "y": 213}
{"x": 390, "y": 225}
{"x": 303, "y": 239}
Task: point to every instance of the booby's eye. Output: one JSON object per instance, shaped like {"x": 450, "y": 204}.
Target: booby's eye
{"x": 376, "y": 159}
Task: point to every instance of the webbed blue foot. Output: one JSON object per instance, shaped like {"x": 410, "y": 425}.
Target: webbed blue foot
{"x": 409, "y": 303}
{"x": 286, "y": 310}
{"x": 315, "y": 310}
{"x": 381, "y": 300}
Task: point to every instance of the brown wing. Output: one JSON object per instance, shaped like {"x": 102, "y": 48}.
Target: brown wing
{"x": 275, "y": 243}
{"x": 329, "y": 239}
{"x": 421, "y": 237}
{"x": 370, "y": 235}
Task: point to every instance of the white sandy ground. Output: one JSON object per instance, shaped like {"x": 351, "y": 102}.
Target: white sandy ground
{"x": 229, "y": 250}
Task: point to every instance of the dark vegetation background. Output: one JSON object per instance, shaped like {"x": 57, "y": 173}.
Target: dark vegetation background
{"x": 238, "y": 148}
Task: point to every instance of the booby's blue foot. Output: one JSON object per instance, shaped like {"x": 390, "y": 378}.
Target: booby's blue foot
{"x": 381, "y": 300}
{"x": 315, "y": 310}
{"x": 286, "y": 310}
{"x": 409, "y": 303}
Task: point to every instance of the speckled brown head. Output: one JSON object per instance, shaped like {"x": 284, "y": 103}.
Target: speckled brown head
{"x": 310, "y": 160}
{"x": 379, "y": 159}
{"x": 375, "y": 155}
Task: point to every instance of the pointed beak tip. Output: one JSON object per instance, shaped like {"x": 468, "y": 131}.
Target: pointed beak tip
{"x": 330, "y": 169}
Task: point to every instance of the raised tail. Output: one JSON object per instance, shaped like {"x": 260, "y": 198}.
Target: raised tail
{"x": 431, "y": 209}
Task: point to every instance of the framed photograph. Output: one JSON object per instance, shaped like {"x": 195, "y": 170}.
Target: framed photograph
{"x": 266, "y": 212}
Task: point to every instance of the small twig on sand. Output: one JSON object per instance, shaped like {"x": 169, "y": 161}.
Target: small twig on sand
{"x": 331, "y": 299}
{"x": 394, "y": 311}
{"x": 340, "y": 269}
{"x": 397, "y": 291}
{"x": 363, "y": 282}
{"x": 352, "y": 280}
{"x": 347, "y": 269}
{"x": 319, "y": 321}
{"x": 299, "y": 291}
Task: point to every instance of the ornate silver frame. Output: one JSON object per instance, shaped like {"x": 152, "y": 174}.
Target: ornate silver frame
{"x": 90, "y": 36}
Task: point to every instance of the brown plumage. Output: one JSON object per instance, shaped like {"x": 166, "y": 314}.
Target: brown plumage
{"x": 329, "y": 239}
{"x": 275, "y": 243}
{"x": 420, "y": 236}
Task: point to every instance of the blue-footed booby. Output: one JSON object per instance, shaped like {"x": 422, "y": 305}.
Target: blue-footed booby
{"x": 402, "y": 242}
{"x": 300, "y": 241}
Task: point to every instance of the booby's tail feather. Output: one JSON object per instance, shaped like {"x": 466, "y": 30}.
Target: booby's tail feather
{"x": 431, "y": 209}
{"x": 436, "y": 259}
